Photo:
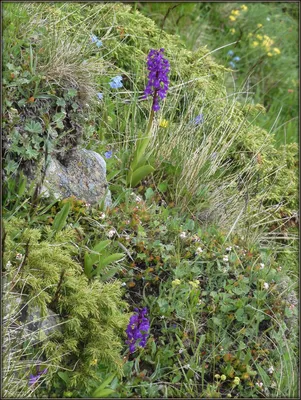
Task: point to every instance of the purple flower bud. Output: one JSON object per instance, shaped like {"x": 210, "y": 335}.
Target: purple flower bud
{"x": 138, "y": 329}
{"x": 158, "y": 82}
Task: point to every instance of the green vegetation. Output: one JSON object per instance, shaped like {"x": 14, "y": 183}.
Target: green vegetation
{"x": 203, "y": 227}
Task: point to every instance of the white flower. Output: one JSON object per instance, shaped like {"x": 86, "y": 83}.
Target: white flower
{"x": 183, "y": 235}
{"x": 279, "y": 269}
{"x": 268, "y": 19}
{"x": 187, "y": 366}
{"x": 229, "y": 248}
{"x": 8, "y": 265}
{"x": 19, "y": 256}
{"x": 259, "y": 384}
{"x": 162, "y": 317}
{"x": 138, "y": 199}
{"x": 261, "y": 265}
{"x": 102, "y": 215}
{"x": 226, "y": 258}
{"x": 292, "y": 306}
{"x": 266, "y": 285}
{"x": 181, "y": 351}
{"x": 199, "y": 250}
{"x": 224, "y": 270}
{"x": 87, "y": 204}
{"x": 195, "y": 238}
{"x": 111, "y": 233}
{"x": 271, "y": 369}
{"x": 127, "y": 237}
{"x": 123, "y": 284}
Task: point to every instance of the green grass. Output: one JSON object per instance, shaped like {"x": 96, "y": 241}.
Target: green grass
{"x": 264, "y": 79}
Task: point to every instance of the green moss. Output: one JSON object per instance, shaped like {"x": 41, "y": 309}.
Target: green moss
{"x": 92, "y": 314}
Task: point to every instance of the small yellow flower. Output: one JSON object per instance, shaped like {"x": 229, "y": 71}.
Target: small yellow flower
{"x": 232, "y": 18}
{"x": 259, "y": 25}
{"x": 94, "y": 362}
{"x": 270, "y": 54}
{"x": 235, "y": 12}
{"x": 232, "y": 30}
{"x": 195, "y": 283}
{"x": 236, "y": 380}
{"x": 276, "y": 50}
{"x": 176, "y": 282}
{"x": 250, "y": 35}
{"x": 244, "y": 7}
{"x": 217, "y": 376}
{"x": 255, "y": 44}
{"x": 223, "y": 377}
{"x": 163, "y": 123}
{"x": 259, "y": 37}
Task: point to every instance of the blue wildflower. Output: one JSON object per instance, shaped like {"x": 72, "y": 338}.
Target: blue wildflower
{"x": 232, "y": 64}
{"x": 138, "y": 329}
{"x": 116, "y": 82}
{"x": 95, "y": 39}
{"x": 158, "y": 82}
{"x": 236, "y": 58}
{"x": 108, "y": 154}
{"x": 230, "y": 53}
{"x": 100, "y": 96}
{"x": 198, "y": 119}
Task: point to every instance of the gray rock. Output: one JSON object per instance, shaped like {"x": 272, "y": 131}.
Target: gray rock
{"x": 82, "y": 176}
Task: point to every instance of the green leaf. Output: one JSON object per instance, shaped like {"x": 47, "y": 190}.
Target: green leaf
{"x": 101, "y": 391}
{"x": 163, "y": 187}
{"x": 60, "y": 102}
{"x": 149, "y": 193}
{"x": 140, "y": 149}
{"x": 110, "y": 273}
{"x": 61, "y": 218}
{"x": 33, "y": 127}
{"x": 112, "y": 258}
{"x": 72, "y": 92}
{"x": 64, "y": 376}
{"x": 140, "y": 173}
{"x": 101, "y": 245}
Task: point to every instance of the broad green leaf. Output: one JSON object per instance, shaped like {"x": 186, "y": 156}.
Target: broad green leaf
{"x": 102, "y": 393}
{"x": 61, "y": 218}
{"x": 140, "y": 173}
{"x": 140, "y": 149}
{"x": 110, "y": 273}
{"x": 64, "y": 376}
{"x": 101, "y": 245}
{"x": 111, "y": 258}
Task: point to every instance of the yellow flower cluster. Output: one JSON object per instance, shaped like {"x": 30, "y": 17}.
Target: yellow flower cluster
{"x": 259, "y": 25}
{"x": 195, "y": 283}
{"x": 163, "y": 123}
{"x": 232, "y": 30}
{"x": 232, "y": 18}
{"x": 235, "y": 12}
{"x": 244, "y": 8}
{"x": 176, "y": 282}
{"x": 266, "y": 43}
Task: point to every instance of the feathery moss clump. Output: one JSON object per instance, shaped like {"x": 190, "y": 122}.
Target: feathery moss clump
{"x": 92, "y": 314}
